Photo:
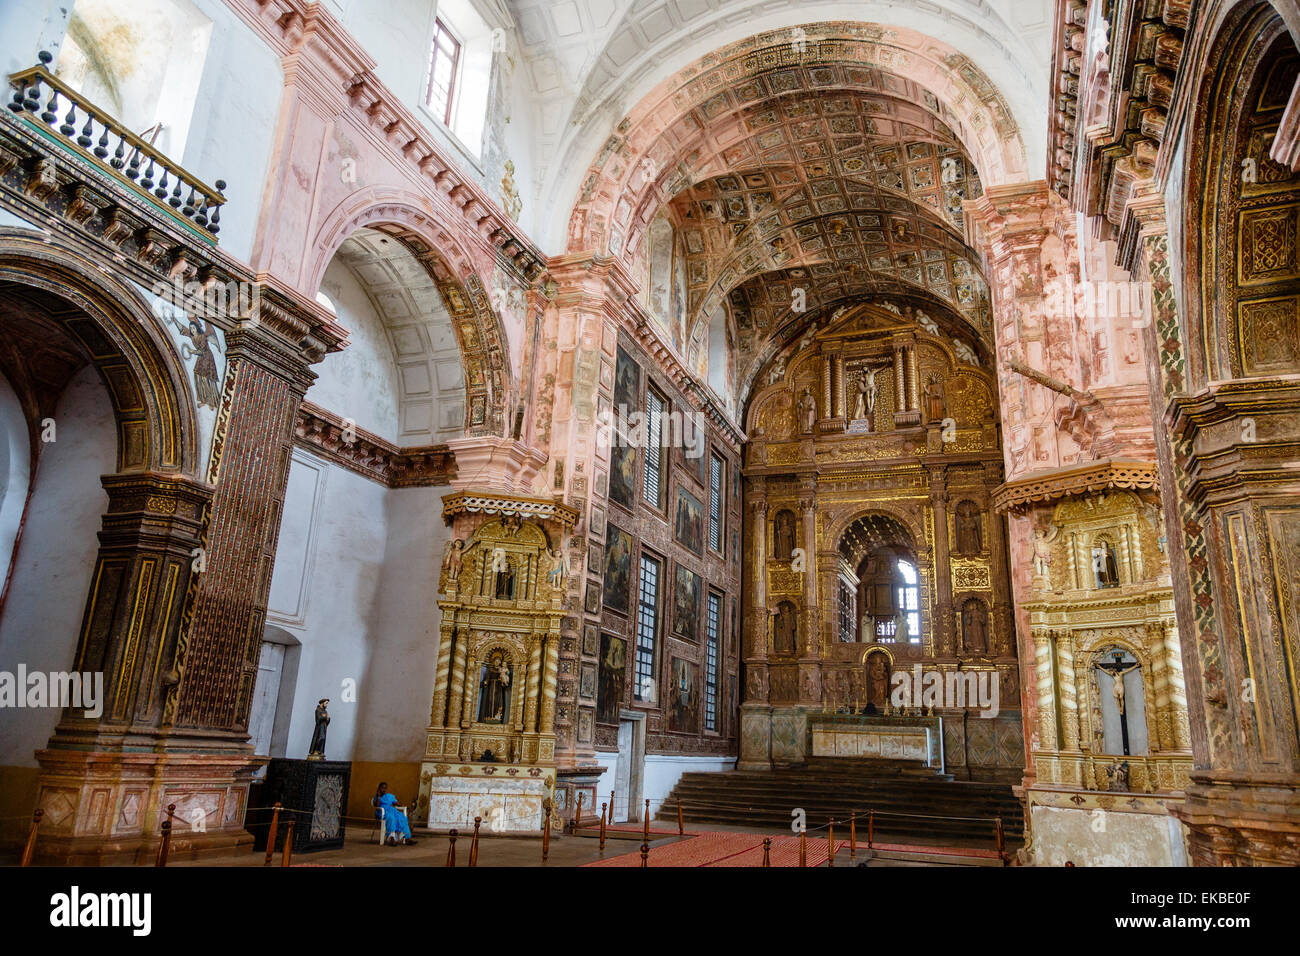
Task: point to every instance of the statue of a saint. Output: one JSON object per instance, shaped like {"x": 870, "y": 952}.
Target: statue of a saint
{"x": 559, "y": 573}
{"x": 974, "y": 625}
{"x": 317, "y": 750}
{"x": 866, "y": 401}
{"x": 783, "y": 629}
{"x": 1043, "y": 550}
{"x": 1118, "y": 774}
{"x": 807, "y": 411}
{"x": 970, "y": 536}
{"x": 451, "y": 561}
{"x": 494, "y": 691}
{"x": 783, "y": 536}
{"x": 934, "y": 402}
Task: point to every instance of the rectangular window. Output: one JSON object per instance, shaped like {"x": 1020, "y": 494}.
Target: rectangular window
{"x": 711, "y": 663}
{"x": 715, "y": 502}
{"x": 647, "y": 627}
{"x": 652, "y": 488}
{"x": 444, "y": 63}
{"x": 848, "y": 613}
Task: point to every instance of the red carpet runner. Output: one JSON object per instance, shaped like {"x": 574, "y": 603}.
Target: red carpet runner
{"x": 746, "y": 849}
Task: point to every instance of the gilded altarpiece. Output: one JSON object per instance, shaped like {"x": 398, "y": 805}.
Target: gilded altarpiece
{"x": 490, "y": 745}
{"x": 876, "y": 445}
{"x": 1101, "y": 612}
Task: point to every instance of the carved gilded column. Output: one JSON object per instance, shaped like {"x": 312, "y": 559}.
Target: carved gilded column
{"x": 828, "y": 409}
{"x": 549, "y": 681}
{"x": 456, "y": 692}
{"x": 943, "y": 613}
{"x": 913, "y": 386}
{"x": 758, "y": 542}
{"x": 811, "y": 609}
{"x": 1045, "y": 693}
{"x": 534, "y": 683}
{"x": 840, "y": 398}
{"x": 1069, "y": 699}
{"x": 438, "y": 714}
{"x": 900, "y": 379}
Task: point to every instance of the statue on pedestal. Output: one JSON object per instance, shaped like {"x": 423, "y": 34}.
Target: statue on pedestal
{"x": 317, "y": 749}
{"x": 807, "y": 412}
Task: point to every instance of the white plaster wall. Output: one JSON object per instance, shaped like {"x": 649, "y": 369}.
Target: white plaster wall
{"x": 15, "y": 472}
{"x": 361, "y": 381}
{"x": 355, "y": 582}
{"x": 1105, "y": 838}
{"x": 662, "y": 772}
{"x": 56, "y": 556}
{"x": 232, "y": 130}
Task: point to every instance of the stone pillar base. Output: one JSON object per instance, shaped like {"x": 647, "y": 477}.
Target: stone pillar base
{"x": 106, "y": 808}
{"x": 1242, "y": 820}
{"x": 755, "y": 737}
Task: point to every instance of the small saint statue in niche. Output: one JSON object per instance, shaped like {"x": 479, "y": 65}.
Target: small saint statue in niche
{"x": 783, "y": 629}
{"x": 1104, "y": 567}
{"x": 807, "y": 412}
{"x": 494, "y": 690}
{"x": 877, "y": 683}
{"x": 317, "y": 749}
{"x": 1043, "y": 538}
{"x": 865, "y": 406}
{"x": 1117, "y": 771}
{"x": 783, "y": 535}
{"x": 936, "y": 408}
{"x": 970, "y": 536}
{"x": 559, "y": 573}
{"x": 505, "y": 585}
{"x": 974, "y": 625}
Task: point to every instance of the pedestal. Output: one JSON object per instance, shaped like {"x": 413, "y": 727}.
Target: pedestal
{"x": 314, "y": 794}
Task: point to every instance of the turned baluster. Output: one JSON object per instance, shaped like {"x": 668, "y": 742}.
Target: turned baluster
{"x": 30, "y": 849}
{"x": 272, "y": 833}
{"x": 166, "y": 843}
{"x": 286, "y": 858}
{"x": 473, "y": 847}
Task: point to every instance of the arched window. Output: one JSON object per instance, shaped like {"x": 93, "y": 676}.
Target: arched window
{"x": 890, "y": 598}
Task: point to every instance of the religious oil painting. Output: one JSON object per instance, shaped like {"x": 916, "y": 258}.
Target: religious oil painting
{"x": 609, "y": 700}
{"x": 687, "y": 589}
{"x": 618, "y": 570}
{"x": 683, "y": 703}
{"x": 688, "y": 524}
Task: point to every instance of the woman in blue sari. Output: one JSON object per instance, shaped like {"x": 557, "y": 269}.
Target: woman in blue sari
{"x": 394, "y": 820}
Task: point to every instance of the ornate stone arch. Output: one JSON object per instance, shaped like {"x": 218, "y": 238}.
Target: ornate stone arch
{"x": 111, "y": 325}
{"x": 484, "y": 345}
{"x": 1228, "y": 288}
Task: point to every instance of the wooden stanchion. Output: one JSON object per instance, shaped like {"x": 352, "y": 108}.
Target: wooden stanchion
{"x": 681, "y": 827}
{"x": 871, "y": 828}
{"x": 803, "y": 848}
{"x": 645, "y": 828}
{"x": 286, "y": 859}
{"x": 602, "y": 825}
{"x": 853, "y": 836}
{"x": 830, "y": 844}
{"x": 645, "y": 854}
{"x": 546, "y": 831}
{"x": 767, "y": 851}
{"x": 473, "y": 847}
{"x": 166, "y": 843}
{"x": 1001, "y": 842}
{"x": 611, "y": 808}
{"x": 273, "y": 832}
{"x": 451, "y": 848}
{"x": 577, "y": 815}
{"x": 30, "y": 849}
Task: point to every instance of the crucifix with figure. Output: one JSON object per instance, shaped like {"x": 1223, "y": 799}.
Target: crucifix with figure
{"x": 1117, "y": 670}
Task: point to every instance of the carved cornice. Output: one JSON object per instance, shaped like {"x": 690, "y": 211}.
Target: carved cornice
{"x": 1015, "y": 496}
{"x": 538, "y": 509}
{"x": 370, "y": 456}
